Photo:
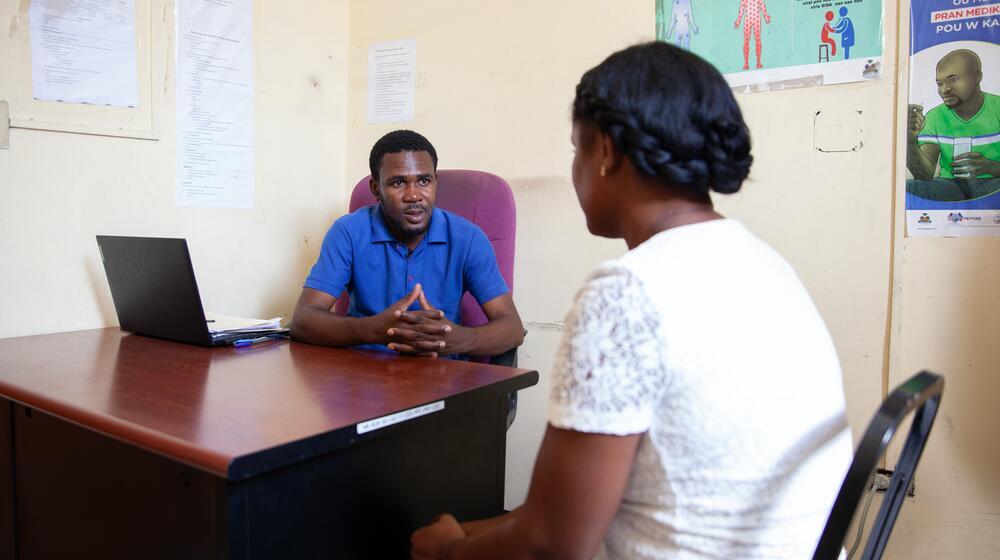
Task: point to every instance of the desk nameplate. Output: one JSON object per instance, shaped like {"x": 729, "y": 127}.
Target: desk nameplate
{"x": 389, "y": 420}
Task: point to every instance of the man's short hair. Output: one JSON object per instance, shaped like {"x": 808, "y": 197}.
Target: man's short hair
{"x": 970, "y": 57}
{"x": 399, "y": 141}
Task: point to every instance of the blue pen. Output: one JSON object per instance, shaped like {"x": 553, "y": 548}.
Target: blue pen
{"x": 248, "y": 341}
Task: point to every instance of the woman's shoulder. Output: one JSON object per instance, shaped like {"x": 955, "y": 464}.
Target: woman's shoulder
{"x": 607, "y": 285}
{"x": 673, "y": 249}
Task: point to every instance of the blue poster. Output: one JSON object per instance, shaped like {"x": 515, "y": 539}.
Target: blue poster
{"x": 953, "y": 119}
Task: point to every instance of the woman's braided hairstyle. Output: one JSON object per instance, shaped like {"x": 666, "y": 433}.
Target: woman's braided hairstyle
{"x": 671, "y": 113}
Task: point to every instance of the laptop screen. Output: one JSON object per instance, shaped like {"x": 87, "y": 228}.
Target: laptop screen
{"x": 153, "y": 287}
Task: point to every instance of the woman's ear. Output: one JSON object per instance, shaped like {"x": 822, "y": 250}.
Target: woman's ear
{"x": 610, "y": 156}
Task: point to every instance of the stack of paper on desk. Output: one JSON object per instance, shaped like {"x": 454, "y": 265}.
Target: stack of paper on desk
{"x": 219, "y": 324}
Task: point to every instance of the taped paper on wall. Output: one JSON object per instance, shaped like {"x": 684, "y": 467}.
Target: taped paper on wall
{"x": 391, "y": 67}
{"x": 84, "y": 51}
{"x": 215, "y": 104}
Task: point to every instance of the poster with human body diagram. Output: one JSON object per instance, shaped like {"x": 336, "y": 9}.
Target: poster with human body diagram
{"x": 777, "y": 44}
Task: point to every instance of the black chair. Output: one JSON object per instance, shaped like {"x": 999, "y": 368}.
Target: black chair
{"x": 922, "y": 393}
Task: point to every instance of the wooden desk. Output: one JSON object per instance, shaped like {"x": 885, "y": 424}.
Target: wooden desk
{"x": 120, "y": 446}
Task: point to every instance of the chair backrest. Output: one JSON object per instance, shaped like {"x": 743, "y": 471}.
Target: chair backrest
{"x": 482, "y": 198}
{"x": 921, "y": 393}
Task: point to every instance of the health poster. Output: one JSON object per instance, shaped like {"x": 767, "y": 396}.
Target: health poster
{"x": 769, "y": 44}
{"x": 953, "y": 119}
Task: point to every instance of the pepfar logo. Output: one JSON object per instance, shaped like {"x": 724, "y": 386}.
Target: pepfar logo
{"x": 958, "y": 218}
{"x": 925, "y": 219}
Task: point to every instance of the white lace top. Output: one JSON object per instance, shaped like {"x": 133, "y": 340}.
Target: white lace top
{"x": 704, "y": 340}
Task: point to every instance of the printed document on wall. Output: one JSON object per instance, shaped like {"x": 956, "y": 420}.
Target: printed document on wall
{"x": 215, "y": 104}
{"x": 391, "y": 70}
{"x": 83, "y": 51}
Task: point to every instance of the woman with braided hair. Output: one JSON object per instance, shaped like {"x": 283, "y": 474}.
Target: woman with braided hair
{"x": 696, "y": 407}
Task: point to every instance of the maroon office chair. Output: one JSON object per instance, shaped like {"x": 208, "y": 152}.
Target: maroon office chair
{"x": 485, "y": 200}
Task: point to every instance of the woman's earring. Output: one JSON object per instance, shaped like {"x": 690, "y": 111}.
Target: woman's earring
{"x": 604, "y": 171}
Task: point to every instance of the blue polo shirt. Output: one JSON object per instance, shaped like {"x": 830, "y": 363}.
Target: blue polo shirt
{"x": 360, "y": 256}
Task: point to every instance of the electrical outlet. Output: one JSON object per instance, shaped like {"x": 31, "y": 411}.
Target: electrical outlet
{"x": 881, "y": 481}
{"x": 882, "y": 478}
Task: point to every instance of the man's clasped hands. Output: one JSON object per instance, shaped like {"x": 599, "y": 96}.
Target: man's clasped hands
{"x": 420, "y": 332}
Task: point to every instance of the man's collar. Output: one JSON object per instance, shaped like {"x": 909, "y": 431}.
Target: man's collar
{"x": 380, "y": 230}
{"x": 437, "y": 232}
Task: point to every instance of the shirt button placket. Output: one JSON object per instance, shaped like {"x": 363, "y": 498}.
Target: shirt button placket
{"x": 409, "y": 277}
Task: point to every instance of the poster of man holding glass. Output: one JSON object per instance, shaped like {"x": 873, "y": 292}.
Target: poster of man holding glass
{"x": 945, "y": 137}
{"x": 953, "y": 119}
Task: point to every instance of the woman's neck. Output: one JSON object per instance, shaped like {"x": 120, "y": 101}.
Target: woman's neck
{"x": 645, "y": 218}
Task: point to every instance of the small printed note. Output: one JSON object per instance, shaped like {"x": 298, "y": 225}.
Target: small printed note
{"x": 384, "y": 421}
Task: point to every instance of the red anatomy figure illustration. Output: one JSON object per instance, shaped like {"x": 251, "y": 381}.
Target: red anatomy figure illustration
{"x": 752, "y": 9}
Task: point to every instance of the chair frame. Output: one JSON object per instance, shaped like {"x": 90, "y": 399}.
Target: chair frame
{"x": 921, "y": 393}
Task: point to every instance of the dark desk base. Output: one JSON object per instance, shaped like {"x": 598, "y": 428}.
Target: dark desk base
{"x": 70, "y": 492}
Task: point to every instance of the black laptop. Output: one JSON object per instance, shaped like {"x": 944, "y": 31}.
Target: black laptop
{"x": 155, "y": 293}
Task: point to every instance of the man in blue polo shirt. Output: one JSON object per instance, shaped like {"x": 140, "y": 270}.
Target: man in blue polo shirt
{"x": 405, "y": 265}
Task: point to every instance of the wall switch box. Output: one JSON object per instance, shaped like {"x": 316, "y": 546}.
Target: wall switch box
{"x": 837, "y": 130}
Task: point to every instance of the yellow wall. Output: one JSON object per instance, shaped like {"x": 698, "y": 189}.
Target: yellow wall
{"x": 60, "y": 190}
{"x": 946, "y": 316}
{"x": 496, "y": 81}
